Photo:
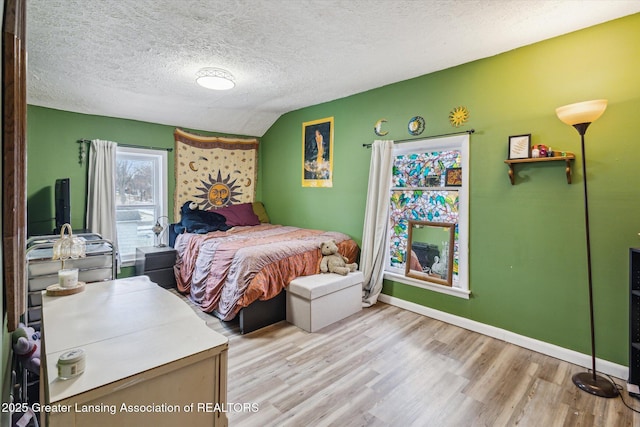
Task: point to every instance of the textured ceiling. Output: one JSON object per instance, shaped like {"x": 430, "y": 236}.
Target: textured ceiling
{"x": 137, "y": 59}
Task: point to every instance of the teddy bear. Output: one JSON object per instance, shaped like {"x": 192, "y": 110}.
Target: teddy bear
{"x": 332, "y": 261}
{"x": 195, "y": 220}
{"x": 26, "y": 344}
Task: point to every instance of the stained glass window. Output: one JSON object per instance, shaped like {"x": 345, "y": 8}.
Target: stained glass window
{"x": 420, "y": 191}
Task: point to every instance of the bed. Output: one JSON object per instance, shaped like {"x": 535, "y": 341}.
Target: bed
{"x": 243, "y": 271}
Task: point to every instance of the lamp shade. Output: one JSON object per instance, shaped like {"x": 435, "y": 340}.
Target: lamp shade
{"x": 582, "y": 112}
{"x": 158, "y": 229}
{"x": 215, "y": 78}
{"x": 68, "y": 246}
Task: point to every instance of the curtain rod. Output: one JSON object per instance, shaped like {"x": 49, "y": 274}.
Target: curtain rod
{"x": 470, "y": 131}
{"x": 131, "y": 145}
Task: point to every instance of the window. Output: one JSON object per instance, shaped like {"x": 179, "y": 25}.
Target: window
{"x": 430, "y": 182}
{"x": 141, "y": 188}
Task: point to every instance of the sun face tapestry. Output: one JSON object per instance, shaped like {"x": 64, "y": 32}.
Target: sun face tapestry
{"x": 214, "y": 171}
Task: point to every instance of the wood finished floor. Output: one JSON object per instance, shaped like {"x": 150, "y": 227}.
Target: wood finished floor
{"x": 390, "y": 367}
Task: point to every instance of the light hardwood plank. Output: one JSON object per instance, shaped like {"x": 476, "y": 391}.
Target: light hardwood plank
{"x": 386, "y": 366}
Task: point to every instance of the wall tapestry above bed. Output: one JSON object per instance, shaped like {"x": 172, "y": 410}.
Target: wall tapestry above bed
{"x": 214, "y": 171}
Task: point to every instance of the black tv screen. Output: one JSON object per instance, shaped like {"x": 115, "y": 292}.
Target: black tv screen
{"x": 63, "y": 203}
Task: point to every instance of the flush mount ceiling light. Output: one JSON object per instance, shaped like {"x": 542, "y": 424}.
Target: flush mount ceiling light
{"x": 215, "y": 78}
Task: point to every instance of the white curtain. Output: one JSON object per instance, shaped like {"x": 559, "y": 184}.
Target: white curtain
{"x": 376, "y": 221}
{"x": 101, "y": 190}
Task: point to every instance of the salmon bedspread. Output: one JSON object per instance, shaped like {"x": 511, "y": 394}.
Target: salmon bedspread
{"x": 224, "y": 271}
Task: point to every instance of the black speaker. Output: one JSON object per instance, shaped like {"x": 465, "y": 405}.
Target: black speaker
{"x": 63, "y": 203}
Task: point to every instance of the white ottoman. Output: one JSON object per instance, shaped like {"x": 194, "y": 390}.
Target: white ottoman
{"x": 314, "y": 302}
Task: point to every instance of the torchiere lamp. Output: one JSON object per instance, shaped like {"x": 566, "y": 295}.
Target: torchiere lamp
{"x": 580, "y": 116}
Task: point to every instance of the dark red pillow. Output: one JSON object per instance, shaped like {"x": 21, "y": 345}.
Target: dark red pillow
{"x": 241, "y": 214}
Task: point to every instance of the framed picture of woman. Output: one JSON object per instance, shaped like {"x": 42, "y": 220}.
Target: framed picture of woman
{"x": 317, "y": 153}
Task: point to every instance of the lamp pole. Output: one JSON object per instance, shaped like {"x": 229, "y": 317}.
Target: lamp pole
{"x": 591, "y": 383}
{"x": 582, "y": 129}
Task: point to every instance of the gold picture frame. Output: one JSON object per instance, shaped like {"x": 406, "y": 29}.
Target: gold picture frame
{"x": 453, "y": 177}
{"x": 317, "y": 153}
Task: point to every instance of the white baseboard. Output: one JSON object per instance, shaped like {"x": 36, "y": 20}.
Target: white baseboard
{"x": 571, "y": 356}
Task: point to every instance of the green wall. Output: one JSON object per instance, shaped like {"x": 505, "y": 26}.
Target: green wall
{"x": 527, "y": 243}
{"x": 52, "y": 152}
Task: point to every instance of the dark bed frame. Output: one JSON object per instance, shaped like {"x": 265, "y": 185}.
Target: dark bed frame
{"x": 263, "y": 313}
{"x": 260, "y": 313}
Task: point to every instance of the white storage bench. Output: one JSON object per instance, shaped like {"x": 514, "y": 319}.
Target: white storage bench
{"x": 314, "y": 302}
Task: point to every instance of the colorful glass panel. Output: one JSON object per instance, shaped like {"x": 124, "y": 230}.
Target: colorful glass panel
{"x": 418, "y": 193}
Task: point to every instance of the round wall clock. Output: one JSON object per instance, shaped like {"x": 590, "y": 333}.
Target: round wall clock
{"x": 416, "y": 125}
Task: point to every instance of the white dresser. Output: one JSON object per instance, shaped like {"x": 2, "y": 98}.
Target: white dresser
{"x": 150, "y": 360}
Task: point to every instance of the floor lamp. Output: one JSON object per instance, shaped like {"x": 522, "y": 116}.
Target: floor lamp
{"x": 580, "y": 116}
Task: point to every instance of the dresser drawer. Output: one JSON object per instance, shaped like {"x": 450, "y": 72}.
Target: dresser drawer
{"x": 157, "y": 263}
{"x": 160, "y": 260}
{"x": 152, "y": 258}
{"x": 40, "y": 283}
{"x": 165, "y": 277}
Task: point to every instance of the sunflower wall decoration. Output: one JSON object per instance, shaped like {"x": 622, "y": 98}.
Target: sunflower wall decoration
{"x": 458, "y": 116}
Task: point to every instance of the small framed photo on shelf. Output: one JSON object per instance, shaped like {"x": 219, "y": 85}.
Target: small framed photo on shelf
{"x": 520, "y": 146}
{"x": 453, "y": 177}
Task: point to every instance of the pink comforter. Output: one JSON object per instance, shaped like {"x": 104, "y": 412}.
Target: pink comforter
{"x": 223, "y": 272}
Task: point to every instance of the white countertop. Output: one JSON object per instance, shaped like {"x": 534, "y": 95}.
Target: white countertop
{"x": 125, "y": 327}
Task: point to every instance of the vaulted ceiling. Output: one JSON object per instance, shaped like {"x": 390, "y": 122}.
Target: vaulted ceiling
{"x": 138, "y": 59}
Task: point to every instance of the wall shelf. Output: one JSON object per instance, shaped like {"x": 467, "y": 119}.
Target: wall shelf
{"x": 568, "y": 158}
